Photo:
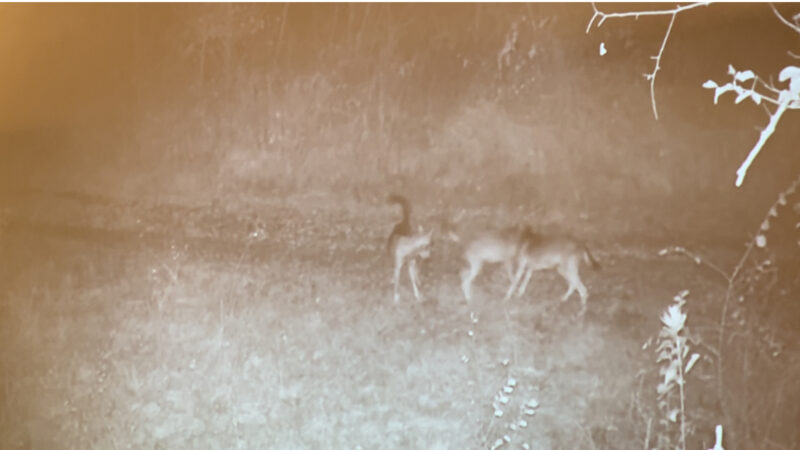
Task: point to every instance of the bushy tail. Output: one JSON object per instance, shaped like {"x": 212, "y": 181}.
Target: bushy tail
{"x": 590, "y": 259}
{"x": 403, "y": 202}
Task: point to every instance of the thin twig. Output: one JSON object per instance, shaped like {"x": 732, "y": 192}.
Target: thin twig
{"x": 784, "y": 20}
{"x": 766, "y": 109}
{"x": 601, "y": 17}
{"x": 768, "y": 86}
{"x": 636, "y": 14}
{"x": 729, "y": 293}
{"x": 700, "y": 260}
{"x": 657, "y": 67}
{"x": 682, "y": 394}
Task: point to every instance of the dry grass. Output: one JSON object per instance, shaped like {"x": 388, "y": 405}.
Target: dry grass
{"x": 109, "y": 346}
{"x": 294, "y": 342}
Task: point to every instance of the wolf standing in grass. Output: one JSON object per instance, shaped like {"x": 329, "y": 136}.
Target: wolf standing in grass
{"x": 538, "y": 252}
{"x": 405, "y": 246}
{"x": 487, "y": 247}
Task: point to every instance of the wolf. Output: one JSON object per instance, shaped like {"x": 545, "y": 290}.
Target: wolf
{"x": 563, "y": 253}
{"x": 405, "y": 246}
{"x": 486, "y": 246}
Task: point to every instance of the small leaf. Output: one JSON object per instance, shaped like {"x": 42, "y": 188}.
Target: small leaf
{"x": 761, "y": 241}
{"x": 692, "y": 361}
{"x": 789, "y": 72}
{"x": 773, "y": 212}
{"x": 782, "y": 199}
{"x": 731, "y": 70}
{"x": 603, "y": 50}
{"x": 742, "y": 96}
{"x": 710, "y": 84}
{"x": 673, "y": 415}
{"x": 670, "y": 377}
{"x": 765, "y": 225}
{"x": 744, "y": 76}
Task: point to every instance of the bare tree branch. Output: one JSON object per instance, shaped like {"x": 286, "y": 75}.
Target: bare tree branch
{"x": 784, "y": 99}
{"x": 766, "y": 109}
{"x": 652, "y": 76}
{"x": 784, "y": 20}
{"x": 765, "y": 134}
{"x": 636, "y": 14}
{"x": 601, "y": 17}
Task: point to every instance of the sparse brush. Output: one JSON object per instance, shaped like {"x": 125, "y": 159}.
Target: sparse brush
{"x": 748, "y": 320}
{"x": 672, "y": 348}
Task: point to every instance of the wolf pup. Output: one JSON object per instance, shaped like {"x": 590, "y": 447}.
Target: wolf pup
{"x": 405, "y": 246}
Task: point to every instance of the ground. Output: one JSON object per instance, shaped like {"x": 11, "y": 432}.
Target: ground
{"x": 193, "y": 220}
{"x": 213, "y": 337}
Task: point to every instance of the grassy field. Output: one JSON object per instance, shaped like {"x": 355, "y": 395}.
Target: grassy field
{"x": 142, "y": 336}
{"x": 193, "y": 220}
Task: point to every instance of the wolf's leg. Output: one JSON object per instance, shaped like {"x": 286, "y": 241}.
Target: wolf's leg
{"x": 398, "y": 265}
{"x": 568, "y": 270}
{"x": 413, "y": 273}
{"x": 525, "y": 282}
{"x": 468, "y": 275}
{"x": 516, "y": 280}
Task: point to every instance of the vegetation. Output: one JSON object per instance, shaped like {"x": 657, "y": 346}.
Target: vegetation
{"x": 194, "y": 248}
